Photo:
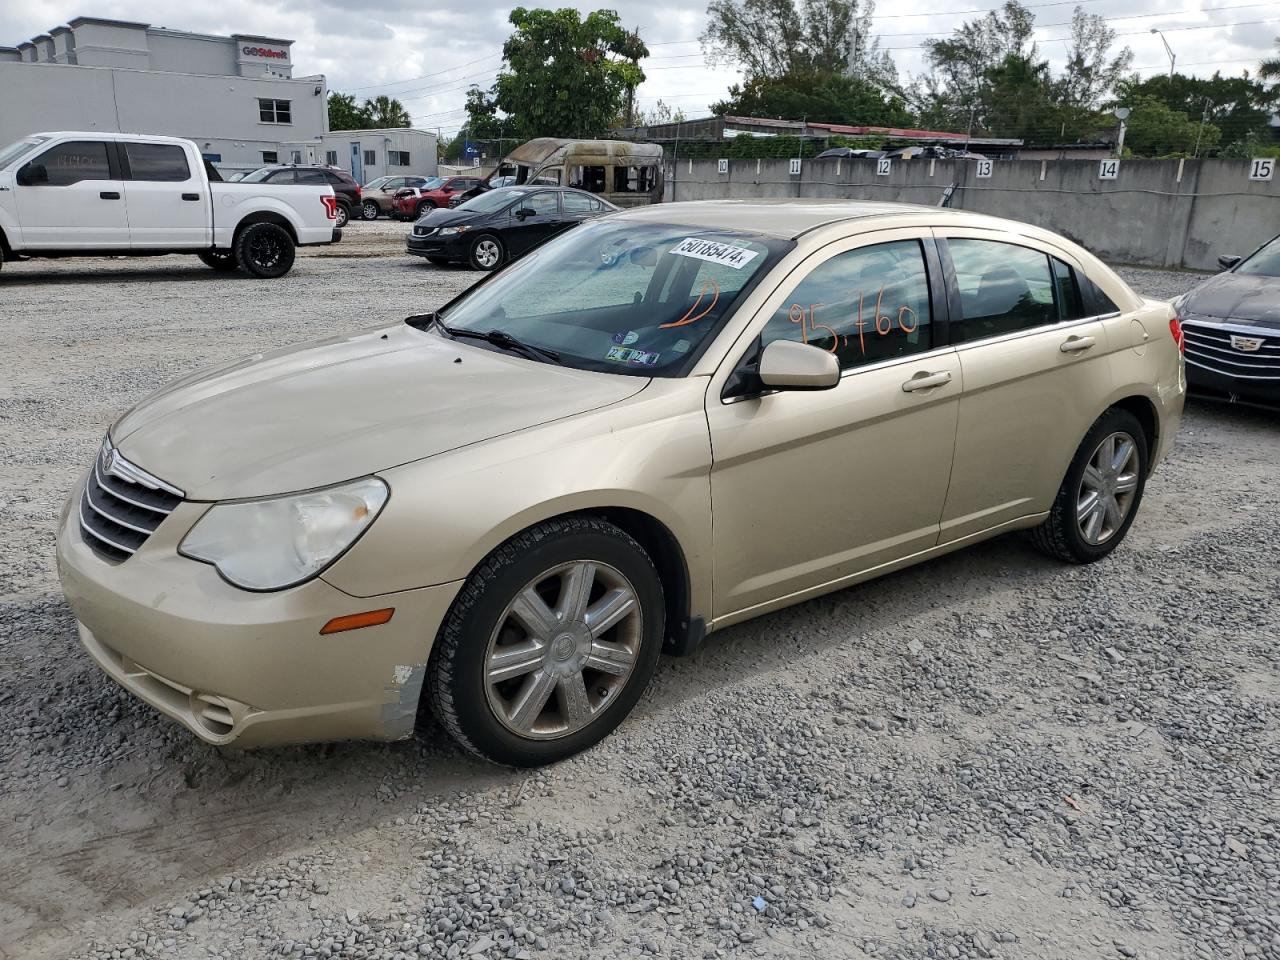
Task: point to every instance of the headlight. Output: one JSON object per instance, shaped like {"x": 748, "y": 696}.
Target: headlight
{"x": 450, "y": 231}
{"x": 284, "y": 541}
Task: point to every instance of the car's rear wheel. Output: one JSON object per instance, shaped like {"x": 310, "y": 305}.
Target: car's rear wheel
{"x": 1101, "y": 492}
{"x": 224, "y": 261}
{"x": 265, "y": 250}
{"x": 344, "y": 214}
{"x": 370, "y": 210}
{"x": 550, "y": 643}
{"x": 486, "y": 252}
{"x": 425, "y": 207}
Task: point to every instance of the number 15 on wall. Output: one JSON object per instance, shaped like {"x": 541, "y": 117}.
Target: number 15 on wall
{"x": 1262, "y": 168}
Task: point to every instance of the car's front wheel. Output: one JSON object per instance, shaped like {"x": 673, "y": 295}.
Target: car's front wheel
{"x": 486, "y": 252}
{"x": 550, "y": 643}
{"x": 1101, "y": 492}
{"x": 370, "y": 210}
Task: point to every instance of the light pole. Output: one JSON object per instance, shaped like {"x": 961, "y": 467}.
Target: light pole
{"x": 1121, "y": 114}
{"x": 1173, "y": 58}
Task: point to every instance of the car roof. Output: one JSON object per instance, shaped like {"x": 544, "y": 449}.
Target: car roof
{"x": 789, "y": 218}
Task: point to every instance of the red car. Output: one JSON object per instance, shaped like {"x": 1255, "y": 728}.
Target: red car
{"x": 412, "y": 204}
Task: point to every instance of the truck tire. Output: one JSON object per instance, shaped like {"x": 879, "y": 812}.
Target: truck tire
{"x": 224, "y": 261}
{"x": 265, "y": 250}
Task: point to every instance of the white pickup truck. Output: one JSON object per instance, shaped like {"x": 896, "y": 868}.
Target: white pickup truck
{"x": 119, "y": 194}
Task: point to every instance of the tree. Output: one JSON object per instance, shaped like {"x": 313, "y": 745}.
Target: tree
{"x": 566, "y": 76}
{"x": 1154, "y": 130}
{"x": 661, "y": 113}
{"x": 1239, "y": 107}
{"x": 383, "y": 112}
{"x": 777, "y": 38}
{"x": 482, "y": 116}
{"x": 959, "y": 64}
{"x": 819, "y": 97}
{"x": 344, "y": 114}
{"x": 1091, "y": 73}
{"x": 1269, "y": 69}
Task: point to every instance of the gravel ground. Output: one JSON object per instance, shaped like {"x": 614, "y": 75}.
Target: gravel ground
{"x": 990, "y": 755}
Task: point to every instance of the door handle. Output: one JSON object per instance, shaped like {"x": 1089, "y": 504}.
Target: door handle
{"x": 191, "y": 196}
{"x": 110, "y": 195}
{"x": 1077, "y": 344}
{"x": 927, "y": 381}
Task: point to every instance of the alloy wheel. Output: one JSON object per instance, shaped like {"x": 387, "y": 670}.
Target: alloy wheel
{"x": 563, "y": 650}
{"x": 1107, "y": 488}
{"x": 265, "y": 249}
{"x": 370, "y": 210}
{"x": 487, "y": 253}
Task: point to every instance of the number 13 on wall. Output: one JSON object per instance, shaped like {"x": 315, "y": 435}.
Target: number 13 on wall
{"x": 1262, "y": 168}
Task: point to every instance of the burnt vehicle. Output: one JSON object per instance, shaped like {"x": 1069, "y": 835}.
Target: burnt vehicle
{"x": 500, "y": 225}
{"x": 623, "y": 173}
{"x": 1232, "y": 328}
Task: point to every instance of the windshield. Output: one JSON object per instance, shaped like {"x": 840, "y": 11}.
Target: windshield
{"x": 1265, "y": 262}
{"x": 640, "y": 299}
{"x": 258, "y": 175}
{"x": 490, "y": 201}
{"x": 14, "y": 150}
{"x": 432, "y": 182}
{"x": 375, "y": 184}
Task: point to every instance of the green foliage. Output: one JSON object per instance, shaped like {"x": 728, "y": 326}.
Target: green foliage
{"x": 1237, "y": 106}
{"x": 344, "y": 114}
{"x": 566, "y": 76}
{"x": 482, "y": 116}
{"x": 661, "y": 113}
{"x": 777, "y": 38}
{"x": 383, "y": 112}
{"x": 1252, "y": 145}
{"x": 1154, "y": 130}
{"x": 818, "y": 97}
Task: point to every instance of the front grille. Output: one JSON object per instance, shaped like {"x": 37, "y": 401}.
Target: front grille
{"x": 122, "y": 505}
{"x": 1210, "y": 348}
{"x": 423, "y": 231}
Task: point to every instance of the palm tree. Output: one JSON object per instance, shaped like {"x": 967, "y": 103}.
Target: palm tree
{"x": 383, "y": 112}
{"x": 1269, "y": 69}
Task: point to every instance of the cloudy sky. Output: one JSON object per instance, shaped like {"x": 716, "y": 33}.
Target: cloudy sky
{"x": 427, "y": 54}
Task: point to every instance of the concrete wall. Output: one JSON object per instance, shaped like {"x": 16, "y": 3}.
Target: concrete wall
{"x": 219, "y": 111}
{"x": 1166, "y": 213}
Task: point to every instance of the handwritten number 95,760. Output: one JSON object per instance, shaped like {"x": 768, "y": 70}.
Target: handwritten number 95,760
{"x": 884, "y": 323}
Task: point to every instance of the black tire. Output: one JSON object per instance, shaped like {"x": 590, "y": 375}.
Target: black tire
{"x": 1060, "y": 535}
{"x": 425, "y": 207}
{"x": 369, "y": 209}
{"x": 476, "y": 253}
{"x": 344, "y": 215}
{"x": 224, "y": 261}
{"x": 439, "y": 261}
{"x": 456, "y": 670}
{"x": 265, "y": 250}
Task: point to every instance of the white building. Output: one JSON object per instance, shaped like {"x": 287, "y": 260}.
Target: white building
{"x": 235, "y": 96}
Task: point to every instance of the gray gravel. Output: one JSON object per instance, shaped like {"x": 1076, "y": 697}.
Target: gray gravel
{"x": 991, "y": 755}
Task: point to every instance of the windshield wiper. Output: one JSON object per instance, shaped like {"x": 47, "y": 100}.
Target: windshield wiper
{"x": 504, "y": 340}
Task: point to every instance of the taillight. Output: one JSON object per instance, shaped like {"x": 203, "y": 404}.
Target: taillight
{"x": 330, "y": 206}
{"x": 1175, "y": 328}
{"x": 357, "y": 191}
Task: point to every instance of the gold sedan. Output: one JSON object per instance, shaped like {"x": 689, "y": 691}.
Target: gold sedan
{"x": 661, "y": 423}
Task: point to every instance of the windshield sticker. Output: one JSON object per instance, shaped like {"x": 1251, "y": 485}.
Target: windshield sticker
{"x": 714, "y": 252}
{"x": 682, "y": 346}
{"x": 639, "y": 357}
{"x": 626, "y": 338}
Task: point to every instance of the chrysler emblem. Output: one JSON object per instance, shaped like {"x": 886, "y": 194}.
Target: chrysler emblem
{"x": 109, "y": 461}
{"x": 1246, "y": 344}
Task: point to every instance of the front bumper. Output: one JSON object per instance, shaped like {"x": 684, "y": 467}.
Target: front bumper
{"x": 1220, "y": 386}
{"x": 247, "y": 668}
{"x": 452, "y": 247}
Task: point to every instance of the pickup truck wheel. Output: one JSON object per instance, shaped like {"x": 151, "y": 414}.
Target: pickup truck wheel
{"x": 344, "y": 215}
{"x": 486, "y": 252}
{"x": 425, "y": 207}
{"x": 265, "y": 250}
{"x": 224, "y": 261}
{"x": 370, "y": 209}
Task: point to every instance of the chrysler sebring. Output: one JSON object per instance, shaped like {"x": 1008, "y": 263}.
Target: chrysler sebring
{"x": 661, "y": 423}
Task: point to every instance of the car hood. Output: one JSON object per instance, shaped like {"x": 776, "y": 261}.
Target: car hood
{"x": 1237, "y": 297}
{"x": 447, "y": 217}
{"x": 325, "y": 412}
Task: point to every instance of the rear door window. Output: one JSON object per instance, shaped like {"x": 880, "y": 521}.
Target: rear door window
{"x": 1004, "y": 288}
{"x": 162, "y": 162}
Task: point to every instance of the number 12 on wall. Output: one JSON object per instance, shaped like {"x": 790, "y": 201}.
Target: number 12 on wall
{"x": 1262, "y": 168}
{"x": 884, "y": 166}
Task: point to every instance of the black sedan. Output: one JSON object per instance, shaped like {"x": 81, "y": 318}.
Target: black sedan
{"x": 1232, "y": 329}
{"x": 499, "y": 225}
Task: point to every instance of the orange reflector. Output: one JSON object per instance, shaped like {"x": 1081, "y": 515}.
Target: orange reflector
{"x": 354, "y": 621}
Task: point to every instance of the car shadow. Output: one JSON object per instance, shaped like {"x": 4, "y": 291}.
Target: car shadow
{"x": 195, "y": 272}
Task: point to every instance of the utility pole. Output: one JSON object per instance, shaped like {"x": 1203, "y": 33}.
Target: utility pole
{"x": 1204, "y": 118}
{"x": 969, "y": 133}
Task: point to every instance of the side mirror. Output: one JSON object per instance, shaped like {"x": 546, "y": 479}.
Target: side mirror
{"x": 32, "y": 174}
{"x": 787, "y": 365}
{"x": 525, "y": 212}
{"x": 1227, "y": 261}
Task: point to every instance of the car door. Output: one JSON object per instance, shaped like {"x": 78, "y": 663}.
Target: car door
{"x": 167, "y": 197}
{"x": 387, "y": 193}
{"x": 71, "y": 197}
{"x": 540, "y": 219}
{"x": 1035, "y": 369}
{"x": 810, "y": 489}
{"x": 576, "y": 207}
